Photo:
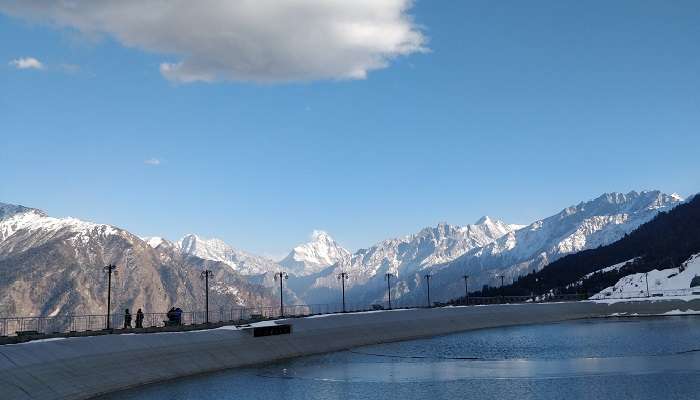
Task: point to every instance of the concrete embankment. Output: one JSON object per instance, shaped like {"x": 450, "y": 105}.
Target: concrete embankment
{"x": 79, "y": 368}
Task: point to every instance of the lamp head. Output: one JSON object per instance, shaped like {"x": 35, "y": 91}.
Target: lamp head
{"x": 281, "y": 275}
{"x": 110, "y": 268}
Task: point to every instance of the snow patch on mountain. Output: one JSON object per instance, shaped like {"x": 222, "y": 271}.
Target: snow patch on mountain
{"x": 154, "y": 241}
{"x": 613, "y": 267}
{"x": 312, "y": 257}
{"x": 669, "y": 282}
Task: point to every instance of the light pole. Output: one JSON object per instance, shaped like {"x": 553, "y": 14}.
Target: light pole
{"x": 206, "y": 274}
{"x": 343, "y": 276}
{"x": 281, "y": 276}
{"x": 109, "y": 269}
{"x": 427, "y": 279}
{"x": 466, "y": 288}
{"x": 646, "y": 276}
{"x": 388, "y": 286}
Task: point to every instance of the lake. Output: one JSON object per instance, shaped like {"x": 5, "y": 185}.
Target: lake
{"x": 622, "y": 358}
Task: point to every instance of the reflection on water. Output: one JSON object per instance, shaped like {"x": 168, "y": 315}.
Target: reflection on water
{"x": 438, "y": 371}
{"x": 628, "y": 358}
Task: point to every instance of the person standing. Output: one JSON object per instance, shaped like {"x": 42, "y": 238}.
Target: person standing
{"x": 171, "y": 314}
{"x": 139, "y": 319}
{"x": 127, "y": 319}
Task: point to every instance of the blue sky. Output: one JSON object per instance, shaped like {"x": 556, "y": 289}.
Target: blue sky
{"x": 516, "y": 111}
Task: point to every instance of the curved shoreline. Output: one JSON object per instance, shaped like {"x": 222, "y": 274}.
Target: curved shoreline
{"x": 85, "y": 367}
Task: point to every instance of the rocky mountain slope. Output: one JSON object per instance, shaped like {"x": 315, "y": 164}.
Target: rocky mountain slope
{"x": 52, "y": 266}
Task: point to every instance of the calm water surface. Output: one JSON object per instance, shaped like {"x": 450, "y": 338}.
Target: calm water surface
{"x": 646, "y": 358}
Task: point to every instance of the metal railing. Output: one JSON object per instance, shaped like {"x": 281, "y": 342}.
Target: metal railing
{"x": 91, "y": 323}
{"x": 643, "y": 293}
{"x": 476, "y": 300}
{"x": 86, "y": 323}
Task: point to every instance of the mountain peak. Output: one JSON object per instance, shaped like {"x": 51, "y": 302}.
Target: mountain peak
{"x": 483, "y": 220}
{"x": 645, "y": 195}
{"x": 311, "y": 257}
{"x": 217, "y": 250}
{"x": 624, "y": 203}
{"x": 617, "y": 197}
{"x": 319, "y": 235}
{"x": 8, "y": 210}
{"x": 210, "y": 249}
{"x": 496, "y": 225}
{"x": 154, "y": 241}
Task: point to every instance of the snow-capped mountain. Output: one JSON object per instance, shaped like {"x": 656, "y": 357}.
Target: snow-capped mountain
{"x": 404, "y": 257}
{"x": 217, "y": 250}
{"x": 52, "y": 266}
{"x": 584, "y": 226}
{"x": 427, "y": 248}
{"x": 312, "y": 257}
{"x": 30, "y": 227}
{"x": 485, "y": 249}
{"x": 256, "y": 270}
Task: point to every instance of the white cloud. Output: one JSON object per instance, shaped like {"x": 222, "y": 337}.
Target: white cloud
{"x": 152, "y": 161}
{"x": 27, "y": 63}
{"x": 246, "y": 40}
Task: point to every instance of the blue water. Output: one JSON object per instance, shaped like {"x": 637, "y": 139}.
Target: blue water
{"x": 646, "y": 358}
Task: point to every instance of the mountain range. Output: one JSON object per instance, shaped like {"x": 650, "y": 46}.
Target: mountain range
{"x": 485, "y": 250}
{"x": 584, "y": 226}
{"x": 53, "y": 265}
{"x": 663, "y": 252}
